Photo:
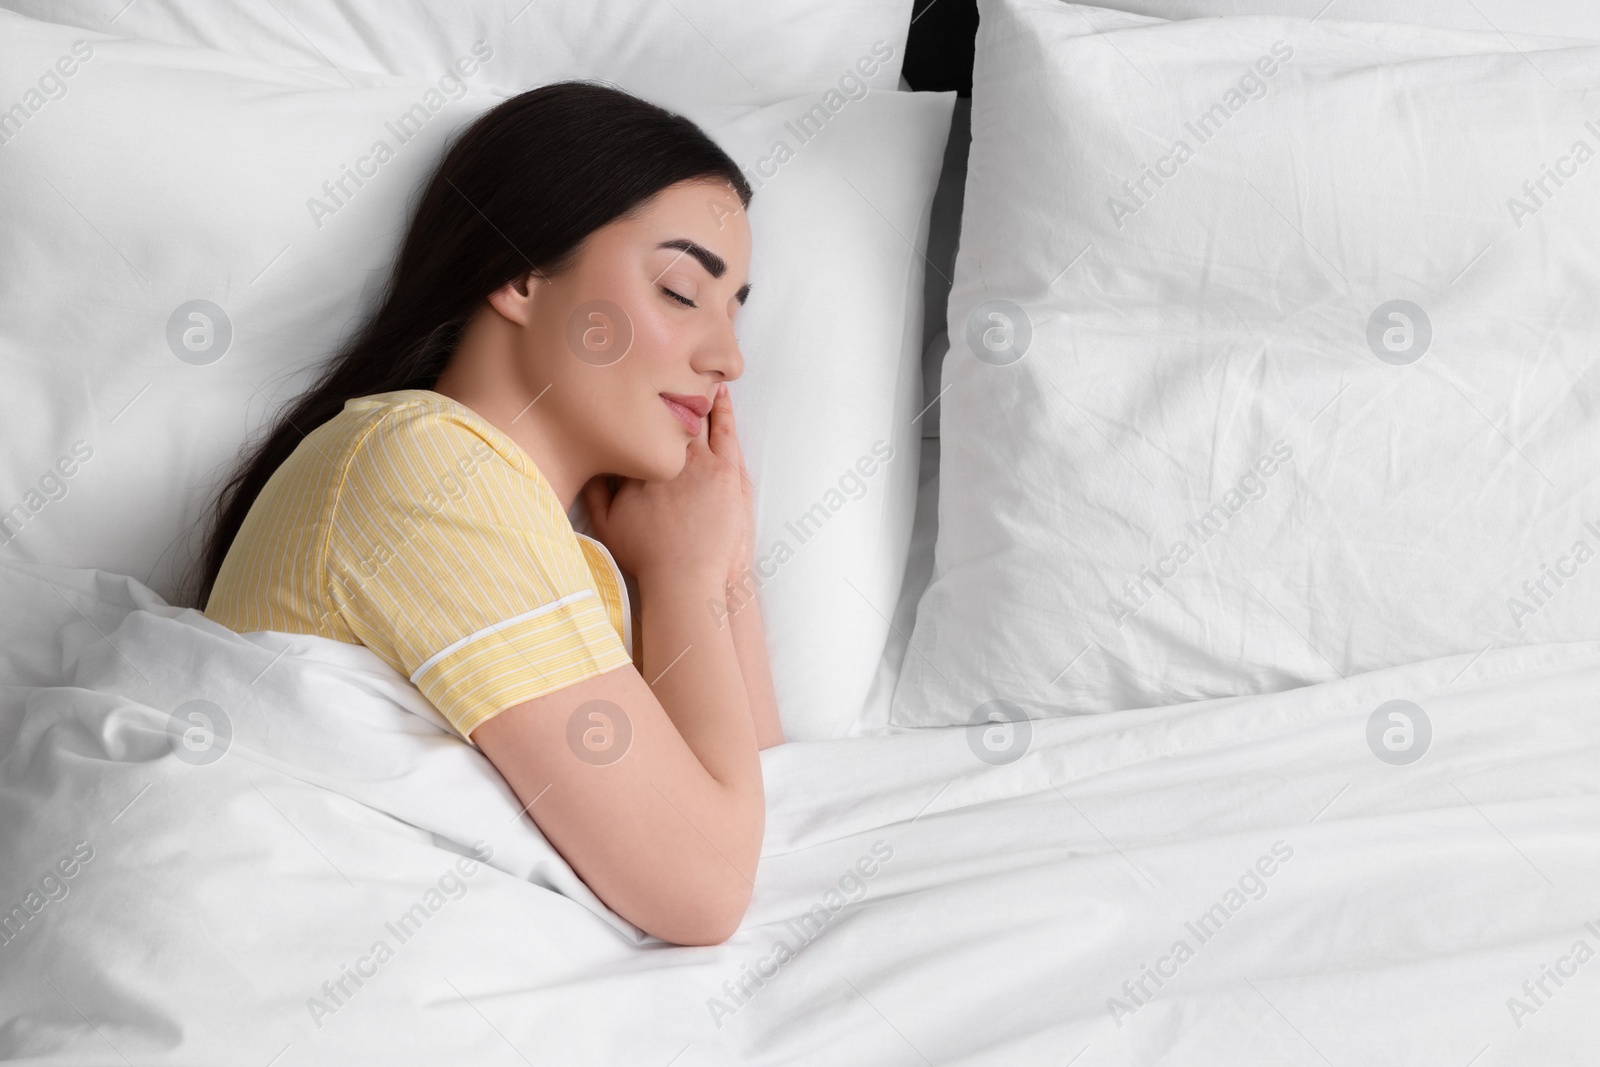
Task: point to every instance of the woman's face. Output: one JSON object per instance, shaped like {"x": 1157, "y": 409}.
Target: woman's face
{"x": 646, "y": 312}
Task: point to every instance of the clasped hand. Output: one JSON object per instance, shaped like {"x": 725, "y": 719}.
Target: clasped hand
{"x": 699, "y": 522}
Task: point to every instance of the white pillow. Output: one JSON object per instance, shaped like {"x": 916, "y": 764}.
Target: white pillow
{"x": 1227, "y": 336}
{"x": 672, "y": 53}
{"x": 160, "y": 176}
{"x": 1550, "y": 18}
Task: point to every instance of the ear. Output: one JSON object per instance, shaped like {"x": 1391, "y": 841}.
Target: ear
{"x": 514, "y": 300}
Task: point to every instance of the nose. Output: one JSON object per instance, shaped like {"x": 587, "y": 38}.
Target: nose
{"x": 721, "y": 354}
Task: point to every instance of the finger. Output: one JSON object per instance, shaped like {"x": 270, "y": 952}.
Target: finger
{"x": 720, "y": 434}
{"x": 744, "y": 472}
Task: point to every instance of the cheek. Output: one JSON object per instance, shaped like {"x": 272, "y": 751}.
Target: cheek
{"x": 654, "y": 333}
{"x": 661, "y": 348}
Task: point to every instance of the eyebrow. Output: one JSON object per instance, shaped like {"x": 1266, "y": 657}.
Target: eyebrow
{"x": 713, "y": 263}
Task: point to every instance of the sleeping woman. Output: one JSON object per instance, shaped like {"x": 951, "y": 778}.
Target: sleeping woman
{"x": 560, "y": 322}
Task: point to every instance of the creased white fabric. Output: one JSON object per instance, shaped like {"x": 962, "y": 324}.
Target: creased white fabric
{"x": 1006, "y": 904}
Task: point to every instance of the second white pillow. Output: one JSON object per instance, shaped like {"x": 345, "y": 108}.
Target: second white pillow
{"x": 1272, "y": 360}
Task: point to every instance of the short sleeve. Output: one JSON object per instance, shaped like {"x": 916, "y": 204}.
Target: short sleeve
{"x": 462, "y": 571}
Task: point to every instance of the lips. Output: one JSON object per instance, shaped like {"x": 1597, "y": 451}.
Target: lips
{"x": 687, "y": 408}
{"x": 693, "y": 401}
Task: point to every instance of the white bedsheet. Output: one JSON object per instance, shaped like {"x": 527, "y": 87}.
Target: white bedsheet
{"x": 1007, "y": 908}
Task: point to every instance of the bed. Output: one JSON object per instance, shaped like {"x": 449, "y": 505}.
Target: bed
{"x": 1246, "y": 818}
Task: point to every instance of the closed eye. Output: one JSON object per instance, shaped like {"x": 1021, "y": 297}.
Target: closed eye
{"x": 680, "y": 299}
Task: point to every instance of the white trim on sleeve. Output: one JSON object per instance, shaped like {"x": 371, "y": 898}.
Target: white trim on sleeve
{"x": 540, "y": 610}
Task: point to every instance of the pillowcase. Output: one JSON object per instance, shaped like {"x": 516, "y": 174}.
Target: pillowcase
{"x": 176, "y": 271}
{"x": 1550, "y": 18}
{"x": 1272, "y": 361}
{"x": 713, "y": 51}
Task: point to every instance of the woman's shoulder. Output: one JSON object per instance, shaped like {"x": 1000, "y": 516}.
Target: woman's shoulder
{"x": 415, "y": 441}
{"x": 415, "y": 408}
{"x": 409, "y": 419}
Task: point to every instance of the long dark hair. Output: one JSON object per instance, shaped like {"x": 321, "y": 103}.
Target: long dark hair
{"x": 516, "y": 194}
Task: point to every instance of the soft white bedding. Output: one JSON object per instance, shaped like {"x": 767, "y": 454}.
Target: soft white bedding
{"x": 999, "y": 909}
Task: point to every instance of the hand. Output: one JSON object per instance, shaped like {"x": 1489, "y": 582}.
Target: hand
{"x": 747, "y": 526}
{"x": 692, "y": 523}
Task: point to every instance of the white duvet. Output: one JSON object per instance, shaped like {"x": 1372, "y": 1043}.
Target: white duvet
{"x": 291, "y": 879}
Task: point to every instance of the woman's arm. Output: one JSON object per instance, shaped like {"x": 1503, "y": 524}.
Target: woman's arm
{"x": 666, "y": 828}
{"x": 742, "y": 613}
{"x": 750, "y": 641}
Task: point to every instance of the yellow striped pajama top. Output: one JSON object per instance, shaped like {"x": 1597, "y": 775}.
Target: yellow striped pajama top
{"x": 409, "y": 524}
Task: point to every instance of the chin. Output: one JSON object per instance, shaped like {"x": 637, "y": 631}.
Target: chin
{"x": 674, "y": 461}
{"x": 660, "y": 466}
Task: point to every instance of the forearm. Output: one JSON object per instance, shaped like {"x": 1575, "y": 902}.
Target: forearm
{"x": 750, "y": 643}
{"x": 693, "y": 668}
